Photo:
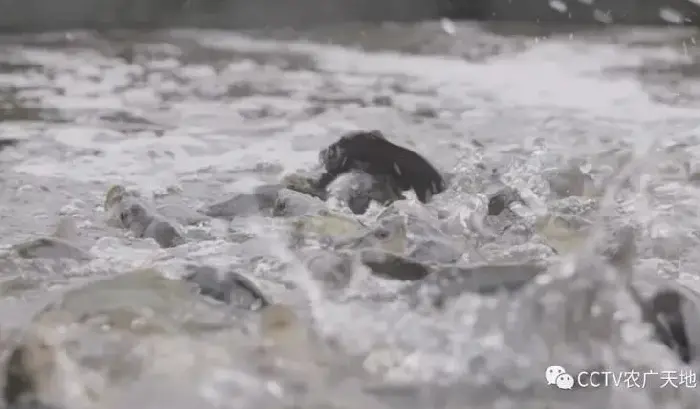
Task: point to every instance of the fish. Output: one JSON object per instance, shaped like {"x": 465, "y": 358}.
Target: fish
{"x": 127, "y": 210}
{"x": 62, "y": 244}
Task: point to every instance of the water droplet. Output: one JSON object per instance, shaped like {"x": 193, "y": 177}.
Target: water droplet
{"x": 671, "y": 15}
{"x": 558, "y": 5}
{"x": 448, "y": 26}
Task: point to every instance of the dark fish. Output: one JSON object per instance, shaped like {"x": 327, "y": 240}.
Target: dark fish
{"x": 497, "y": 204}
{"x": 450, "y": 281}
{"x": 393, "y": 266}
{"x": 27, "y": 364}
{"x": 127, "y": 211}
{"x": 231, "y": 288}
{"x": 262, "y": 199}
{"x": 359, "y": 203}
{"x": 61, "y": 245}
{"x": 371, "y": 152}
{"x": 664, "y": 312}
{"x": 5, "y": 143}
{"x": 499, "y": 201}
{"x": 19, "y": 382}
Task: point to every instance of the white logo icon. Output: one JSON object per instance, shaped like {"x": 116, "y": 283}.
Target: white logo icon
{"x": 556, "y": 375}
{"x": 552, "y": 373}
{"x": 565, "y": 381}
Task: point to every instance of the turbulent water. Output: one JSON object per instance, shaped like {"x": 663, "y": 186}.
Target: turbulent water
{"x": 192, "y": 117}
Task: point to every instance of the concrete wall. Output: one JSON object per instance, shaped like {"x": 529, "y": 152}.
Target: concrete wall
{"x": 32, "y": 15}
{"x": 61, "y": 14}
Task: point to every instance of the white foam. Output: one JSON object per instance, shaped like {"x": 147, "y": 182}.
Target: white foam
{"x": 563, "y": 74}
{"x": 549, "y": 75}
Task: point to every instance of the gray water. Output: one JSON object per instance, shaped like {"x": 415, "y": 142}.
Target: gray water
{"x": 192, "y": 117}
